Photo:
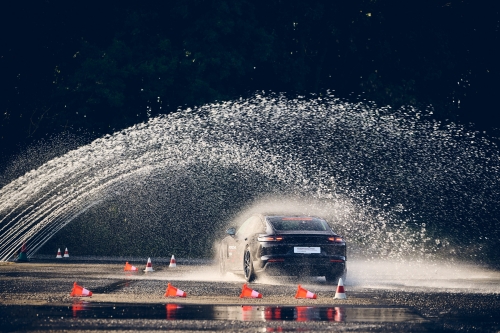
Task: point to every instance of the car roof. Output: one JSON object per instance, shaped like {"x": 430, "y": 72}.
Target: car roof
{"x": 265, "y": 217}
{"x": 292, "y": 216}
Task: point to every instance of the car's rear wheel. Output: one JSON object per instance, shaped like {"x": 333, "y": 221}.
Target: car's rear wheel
{"x": 334, "y": 278}
{"x": 248, "y": 267}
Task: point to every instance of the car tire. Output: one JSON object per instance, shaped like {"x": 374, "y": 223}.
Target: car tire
{"x": 248, "y": 267}
{"x": 222, "y": 263}
{"x": 333, "y": 279}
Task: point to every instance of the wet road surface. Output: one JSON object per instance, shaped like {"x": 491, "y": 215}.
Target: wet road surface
{"x": 34, "y": 296}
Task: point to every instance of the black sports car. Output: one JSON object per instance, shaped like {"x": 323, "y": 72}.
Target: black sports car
{"x": 283, "y": 245}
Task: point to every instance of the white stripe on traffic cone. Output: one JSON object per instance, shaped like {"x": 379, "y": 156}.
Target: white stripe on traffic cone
{"x": 340, "y": 293}
{"x": 149, "y": 266}
{"x": 173, "y": 263}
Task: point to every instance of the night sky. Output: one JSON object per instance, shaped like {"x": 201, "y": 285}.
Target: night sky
{"x": 83, "y": 70}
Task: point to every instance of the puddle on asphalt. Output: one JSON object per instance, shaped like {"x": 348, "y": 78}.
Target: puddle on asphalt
{"x": 174, "y": 311}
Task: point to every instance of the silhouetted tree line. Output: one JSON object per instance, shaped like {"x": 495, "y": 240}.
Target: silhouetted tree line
{"x": 95, "y": 68}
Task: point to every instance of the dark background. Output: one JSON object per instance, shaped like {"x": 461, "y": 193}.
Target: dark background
{"x": 71, "y": 72}
{"x": 84, "y": 69}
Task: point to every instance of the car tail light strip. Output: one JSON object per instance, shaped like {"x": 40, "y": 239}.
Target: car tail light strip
{"x": 270, "y": 238}
{"x": 335, "y": 239}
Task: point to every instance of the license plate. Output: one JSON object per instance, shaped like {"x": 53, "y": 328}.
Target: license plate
{"x": 306, "y": 249}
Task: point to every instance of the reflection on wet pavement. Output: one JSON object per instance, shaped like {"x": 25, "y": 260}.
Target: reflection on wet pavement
{"x": 172, "y": 311}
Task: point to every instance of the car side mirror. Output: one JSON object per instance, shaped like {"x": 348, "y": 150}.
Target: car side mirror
{"x": 231, "y": 231}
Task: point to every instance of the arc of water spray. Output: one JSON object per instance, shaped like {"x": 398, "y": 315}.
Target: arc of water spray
{"x": 398, "y": 169}
{"x": 51, "y": 212}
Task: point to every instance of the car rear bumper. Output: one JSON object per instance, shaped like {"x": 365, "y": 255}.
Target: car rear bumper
{"x": 301, "y": 265}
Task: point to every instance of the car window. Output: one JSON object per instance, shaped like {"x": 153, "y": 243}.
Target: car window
{"x": 298, "y": 223}
{"x": 244, "y": 226}
{"x": 257, "y": 225}
{"x": 251, "y": 226}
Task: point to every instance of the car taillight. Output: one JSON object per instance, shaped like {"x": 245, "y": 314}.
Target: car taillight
{"x": 335, "y": 239}
{"x": 276, "y": 260}
{"x": 270, "y": 238}
{"x": 336, "y": 260}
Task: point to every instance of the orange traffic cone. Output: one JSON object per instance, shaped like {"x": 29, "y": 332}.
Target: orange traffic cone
{"x": 58, "y": 253}
{"x": 173, "y": 263}
{"x": 335, "y": 314}
{"x": 66, "y": 253}
{"x": 247, "y": 312}
{"x": 172, "y": 311}
{"x": 149, "y": 266}
{"x": 129, "y": 267}
{"x": 340, "y": 293}
{"x": 303, "y": 293}
{"x": 249, "y": 293}
{"x": 330, "y": 314}
{"x": 303, "y": 313}
{"x": 79, "y": 291}
{"x": 79, "y": 306}
{"x": 174, "y": 292}
{"x": 271, "y": 313}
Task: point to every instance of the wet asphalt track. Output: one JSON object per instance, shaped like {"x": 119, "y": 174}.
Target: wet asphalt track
{"x": 34, "y": 297}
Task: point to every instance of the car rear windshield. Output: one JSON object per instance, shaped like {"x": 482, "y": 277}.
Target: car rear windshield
{"x": 297, "y": 223}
